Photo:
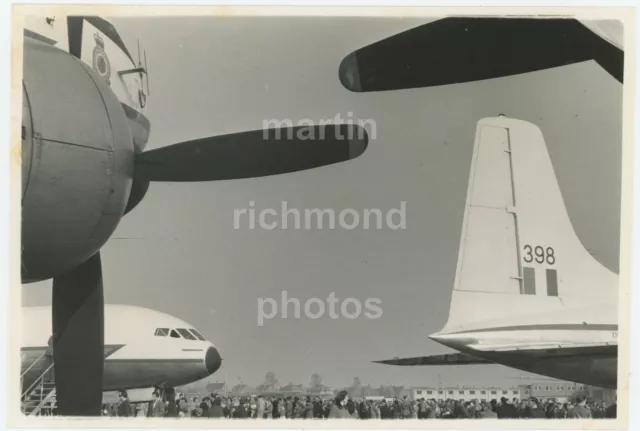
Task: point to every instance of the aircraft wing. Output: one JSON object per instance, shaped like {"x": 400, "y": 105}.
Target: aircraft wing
{"x": 446, "y": 359}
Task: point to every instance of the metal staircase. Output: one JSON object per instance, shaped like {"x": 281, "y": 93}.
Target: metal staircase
{"x": 39, "y": 397}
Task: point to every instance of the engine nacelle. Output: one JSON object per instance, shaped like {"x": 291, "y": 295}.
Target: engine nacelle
{"x": 77, "y": 162}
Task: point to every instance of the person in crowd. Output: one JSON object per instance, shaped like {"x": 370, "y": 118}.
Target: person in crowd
{"x": 193, "y": 403}
{"x": 339, "y": 407}
{"x": 308, "y": 409}
{"x": 432, "y": 409}
{"x": 124, "y": 406}
{"x": 268, "y": 408}
{"x": 158, "y": 407}
{"x": 204, "y": 405}
{"x": 447, "y": 410}
{"x": 364, "y": 410}
{"x": 611, "y": 412}
{"x": 140, "y": 411}
{"x": 550, "y": 409}
{"x": 375, "y": 410}
{"x": 226, "y": 408}
{"x": 533, "y": 411}
{"x": 261, "y": 406}
{"x": 282, "y": 409}
{"x": 486, "y": 412}
{"x": 171, "y": 408}
{"x": 384, "y": 410}
{"x": 563, "y": 411}
{"x": 318, "y": 410}
{"x": 396, "y": 411}
{"x": 580, "y": 410}
{"x": 252, "y": 406}
{"x": 183, "y": 406}
{"x": 506, "y": 410}
{"x": 460, "y": 410}
{"x": 297, "y": 408}
{"x": 423, "y": 410}
{"x": 216, "y": 410}
{"x": 241, "y": 411}
{"x": 521, "y": 408}
{"x": 473, "y": 409}
{"x": 351, "y": 408}
{"x": 414, "y": 410}
{"x": 406, "y": 408}
{"x": 288, "y": 405}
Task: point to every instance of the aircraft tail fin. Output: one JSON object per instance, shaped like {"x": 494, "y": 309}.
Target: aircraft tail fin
{"x": 519, "y": 254}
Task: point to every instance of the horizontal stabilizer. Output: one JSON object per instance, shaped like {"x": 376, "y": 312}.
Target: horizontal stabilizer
{"x": 446, "y": 359}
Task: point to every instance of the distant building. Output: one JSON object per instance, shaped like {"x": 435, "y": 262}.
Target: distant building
{"x": 383, "y": 391}
{"x": 468, "y": 393}
{"x": 289, "y": 390}
{"x": 563, "y": 391}
{"x": 242, "y": 390}
{"x": 609, "y": 396}
{"x": 216, "y": 388}
{"x": 292, "y": 388}
{"x": 321, "y": 391}
{"x": 558, "y": 390}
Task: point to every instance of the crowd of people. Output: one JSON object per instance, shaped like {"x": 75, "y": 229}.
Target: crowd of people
{"x": 345, "y": 407}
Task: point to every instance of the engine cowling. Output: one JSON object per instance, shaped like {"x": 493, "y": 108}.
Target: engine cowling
{"x": 77, "y": 162}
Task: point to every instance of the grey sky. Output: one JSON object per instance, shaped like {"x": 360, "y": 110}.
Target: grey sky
{"x": 216, "y": 76}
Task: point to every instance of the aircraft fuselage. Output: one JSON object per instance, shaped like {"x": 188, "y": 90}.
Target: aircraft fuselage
{"x": 143, "y": 348}
{"x": 579, "y": 353}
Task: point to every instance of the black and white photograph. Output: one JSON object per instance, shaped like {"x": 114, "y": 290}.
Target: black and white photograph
{"x": 276, "y": 217}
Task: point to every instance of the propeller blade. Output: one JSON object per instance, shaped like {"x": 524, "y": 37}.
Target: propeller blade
{"x": 457, "y": 50}
{"x": 78, "y": 339}
{"x": 138, "y": 191}
{"x": 252, "y": 154}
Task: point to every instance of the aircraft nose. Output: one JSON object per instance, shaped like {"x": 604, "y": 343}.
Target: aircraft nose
{"x": 212, "y": 360}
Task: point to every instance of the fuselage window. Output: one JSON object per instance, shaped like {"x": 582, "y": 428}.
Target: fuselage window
{"x": 197, "y": 334}
{"x": 186, "y": 334}
{"x": 162, "y": 332}
{"x": 174, "y": 334}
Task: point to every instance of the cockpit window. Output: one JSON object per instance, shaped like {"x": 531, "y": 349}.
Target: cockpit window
{"x": 110, "y": 31}
{"x": 174, "y": 334}
{"x": 162, "y": 332}
{"x": 197, "y": 334}
{"x": 186, "y": 334}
